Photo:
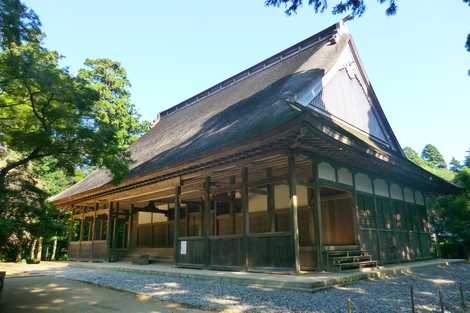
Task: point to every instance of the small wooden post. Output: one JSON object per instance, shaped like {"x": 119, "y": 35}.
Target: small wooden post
{"x": 177, "y": 222}
{"x": 233, "y": 213}
{"x": 317, "y": 217}
{"x": 82, "y": 220}
{"x": 246, "y": 217}
{"x": 206, "y": 216}
{"x": 271, "y": 203}
{"x": 115, "y": 220}
{"x": 129, "y": 227}
{"x": 462, "y": 298}
{"x": 349, "y": 305}
{"x": 71, "y": 225}
{"x": 108, "y": 230}
{"x": 377, "y": 232}
{"x": 412, "y": 298}
{"x": 356, "y": 222}
{"x": 294, "y": 210}
{"x": 93, "y": 231}
{"x": 186, "y": 219}
{"x": 441, "y": 301}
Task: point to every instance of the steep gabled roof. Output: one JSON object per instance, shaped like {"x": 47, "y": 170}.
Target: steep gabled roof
{"x": 258, "y": 100}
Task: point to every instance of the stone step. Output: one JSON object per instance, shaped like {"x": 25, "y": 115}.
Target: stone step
{"x": 356, "y": 265}
{"x": 347, "y": 253}
{"x": 350, "y": 259}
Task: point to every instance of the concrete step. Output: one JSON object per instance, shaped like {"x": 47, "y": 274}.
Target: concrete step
{"x": 351, "y": 259}
{"x": 357, "y": 265}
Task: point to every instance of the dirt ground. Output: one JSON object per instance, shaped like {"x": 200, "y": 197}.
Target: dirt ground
{"x": 50, "y": 294}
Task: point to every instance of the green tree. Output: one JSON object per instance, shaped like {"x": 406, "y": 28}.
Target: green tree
{"x": 47, "y": 112}
{"x": 18, "y": 24}
{"x": 433, "y": 157}
{"x": 355, "y": 7}
{"x": 114, "y": 108}
{"x": 466, "y": 162}
{"x": 54, "y": 127}
{"x": 451, "y": 214}
{"x": 415, "y": 158}
{"x": 412, "y": 155}
{"x": 455, "y": 165}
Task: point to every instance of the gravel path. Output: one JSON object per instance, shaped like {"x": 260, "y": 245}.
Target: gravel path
{"x": 386, "y": 295}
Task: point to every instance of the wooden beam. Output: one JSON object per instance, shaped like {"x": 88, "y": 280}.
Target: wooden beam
{"x": 108, "y": 230}
{"x": 115, "y": 220}
{"x": 186, "y": 218}
{"x": 271, "y": 197}
{"x": 233, "y": 213}
{"x": 377, "y": 232}
{"x": 177, "y": 222}
{"x": 129, "y": 227}
{"x": 81, "y": 237}
{"x": 206, "y": 216}
{"x": 294, "y": 210}
{"x": 246, "y": 217}
{"x": 317, "y": 217}
{"x": 93, "y": 232}
{"x": 356, "y": 225}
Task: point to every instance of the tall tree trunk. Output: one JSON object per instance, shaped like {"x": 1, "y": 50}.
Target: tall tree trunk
{"x": 54, "y": 248}
{"x": 33, "y": 248}
{"x": 18, "y": 251}
{"x": 39, "y": 255}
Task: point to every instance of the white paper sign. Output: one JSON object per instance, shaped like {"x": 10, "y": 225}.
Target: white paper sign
{"x": 183, "y": 249}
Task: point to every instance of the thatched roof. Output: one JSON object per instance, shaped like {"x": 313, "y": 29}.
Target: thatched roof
{"x": 246, "y": 105}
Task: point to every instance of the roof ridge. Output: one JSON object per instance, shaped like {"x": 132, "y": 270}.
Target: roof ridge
{"x": 293, "y": 50}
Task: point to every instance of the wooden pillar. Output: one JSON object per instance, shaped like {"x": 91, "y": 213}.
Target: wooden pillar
{"x": 186, "y": 217}
{"x": 294, "y": 210}
{"x": 377, "y": 232}
{"x": 129, "y": 227}
{"x": 393, "y": 222}
{"x": 152, "y": 232}
{"x": 245, "y": 216}
{"x": 317, "y": 218}
{"x": 177, "y": 222}
{"x": 418, "y": 226}
{"x": 115, "y": 220}
{"x": 108, "y": 230}
{"x": 93, "y": 232}
{"x": 405, "y": 218}
{"x": 206, "y": 216}
{"x": 71, "y": 225}
{"x": 214, "y": 218}
{"x": 271, "y": 197}
{"x": 356, "y": 222}
{"x": 233, "y": 213}
{"x": 82, "y": 219}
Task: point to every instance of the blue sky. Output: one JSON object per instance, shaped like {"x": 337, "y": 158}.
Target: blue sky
{"x": 173, "y": 49}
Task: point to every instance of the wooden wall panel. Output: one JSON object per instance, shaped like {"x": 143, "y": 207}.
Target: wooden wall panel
{"x": 226, "y": 251}
{"x": 270, "y": 251}
{"x": 194, "y": 252}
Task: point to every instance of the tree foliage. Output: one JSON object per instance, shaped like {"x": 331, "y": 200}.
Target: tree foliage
{"x": 53, "y": 124}
{"x": 466, "y": 162}
{"x": 18, "y": 24}
{"x": 413, "y": 156}
{"x": 433, "y": 156}
{"x": 455, "y": 165}
{"x": 355, "y": 7}
{"x": 114, "y": 108}
{"x": 451, "y": 214}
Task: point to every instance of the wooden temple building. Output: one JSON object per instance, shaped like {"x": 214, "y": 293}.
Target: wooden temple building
{"x": 288, "y": 165}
